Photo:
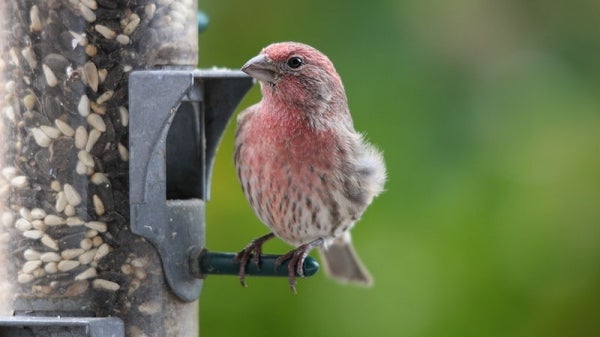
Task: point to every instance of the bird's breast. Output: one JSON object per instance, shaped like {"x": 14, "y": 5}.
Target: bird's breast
{"x": 289, "y": 182}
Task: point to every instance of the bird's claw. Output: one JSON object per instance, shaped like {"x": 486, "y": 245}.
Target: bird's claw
{"x": 296, "y": 263}
{"x": 242, "y": 258}
{"x": 252, "y": 251}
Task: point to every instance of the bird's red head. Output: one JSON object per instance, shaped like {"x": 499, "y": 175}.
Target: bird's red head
{"x": 295, "y": 56}
{"x": 296, "y": 73}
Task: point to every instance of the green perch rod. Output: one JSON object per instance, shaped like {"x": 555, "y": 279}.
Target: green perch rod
{"x": 217, "y": 263}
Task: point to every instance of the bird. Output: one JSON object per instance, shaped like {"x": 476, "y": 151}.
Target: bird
{"x": 304, "y": 169}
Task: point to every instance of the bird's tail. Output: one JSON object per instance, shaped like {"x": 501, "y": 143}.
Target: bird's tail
{"x": 341, "y": 263}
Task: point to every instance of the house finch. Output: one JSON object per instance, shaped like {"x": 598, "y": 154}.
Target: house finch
{"x": 306, "y": 172}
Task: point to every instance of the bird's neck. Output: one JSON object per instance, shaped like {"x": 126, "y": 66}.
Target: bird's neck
{"x": 294, "y": 134}
{"x": 294, "y": 113}
{"x": 285, "y": 119}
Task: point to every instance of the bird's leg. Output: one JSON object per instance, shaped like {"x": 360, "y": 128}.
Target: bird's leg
{"x": 297, "y": 257}
{"x": 254, "y": 250}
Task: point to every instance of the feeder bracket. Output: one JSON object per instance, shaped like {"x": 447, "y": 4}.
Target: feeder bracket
{"x": 177, "y": 118}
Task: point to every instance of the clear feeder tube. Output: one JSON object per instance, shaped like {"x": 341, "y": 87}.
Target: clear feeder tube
{"x": 65, "y": 244}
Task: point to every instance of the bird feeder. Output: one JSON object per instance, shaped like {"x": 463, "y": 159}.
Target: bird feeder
{"x": 107, "y": 138}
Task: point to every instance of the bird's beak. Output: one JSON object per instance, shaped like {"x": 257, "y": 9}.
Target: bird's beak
{"x": 261, "y": 68}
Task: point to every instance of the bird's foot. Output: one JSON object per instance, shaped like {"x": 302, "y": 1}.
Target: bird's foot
{"x": 252, "y": 251}
{"x": 297, "y": 257}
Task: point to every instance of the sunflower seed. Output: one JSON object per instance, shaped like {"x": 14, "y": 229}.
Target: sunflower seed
{"x": 25, "y": 278}
{"x": 65, "y": 128}
{"x": 39, "y": 272}
{"x": 96, "y": 121}
{"x": 98, "y": 108}
{"x": 34, "y": 17}
{"x": 22, "y": 225}
{"x": 86, "y": 158}
{"x": 91, "y": 74}
{"x": 91, "y": 4}
{"x": 19, "y": 182}
{"x": 97, "y": 241}
{"x": 81, "y": 137}
{"x": 69, "y": 210}
{"x": 30, "y": 266}
{"x": 102, "y": 251}
{"x": 126, "y": 269}
{"x": 81, "y": 168}
{"x": 105, "y": 31}
{"x": 124, "y": 115}
{"x": 37, "y": 213}
{"x": 105, "y": 285}
{"x": 51, "y": 79}
{"x": 61, "y": 201}
{"x": 93, "y": 137}
{"x": 73, "y": 197}
{"x": 91, "y": 233}
{"x": 149, "y": 10}
{"x": 39, "y": 225}
{"x": 84, "y": 106}
{"x": 99, "y": 178}
{"x": 98, "y": 205}
{"x": 87, "y": 13}
{"x": 88, "y": 256}
{"x": 50, "y": 257}
{"x": 69, "y": 254}
{"x": 29, "y": 101}
{"x": 25, "y": 213}
{"x": 123, "y": 152}
{"x": 105, "y": 97}
{"x": 134, "y": 21}
{"x": 50, "y": 131}
{"x": 66, "y": 265}
{"x": 49, "y": 242}
{"x": 40, "y": 137}
{"x": 91, "y": 50}
{"x": 31, "y": 254}
{"x": 33, "y": 234}
{"x": 97, "y": 226}
{"x": 123, "y": 39}
{"x": 86, "y": 274}
{"x": 51, "y": 268}
{"x": 29, "y": 56}
{"x": 73, "y": 221}
{"x": 54, "y": 220}
{"x": 77, "y": 288}
{"x": 86, "y": 244}
{"x": 55, "y": 186}
{"x": 102, "y": 75}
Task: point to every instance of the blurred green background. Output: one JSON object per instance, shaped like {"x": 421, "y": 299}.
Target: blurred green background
{"x": 488, "y": 113}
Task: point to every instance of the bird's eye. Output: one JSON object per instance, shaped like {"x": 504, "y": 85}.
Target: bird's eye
{"x": 295, "y": 62}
